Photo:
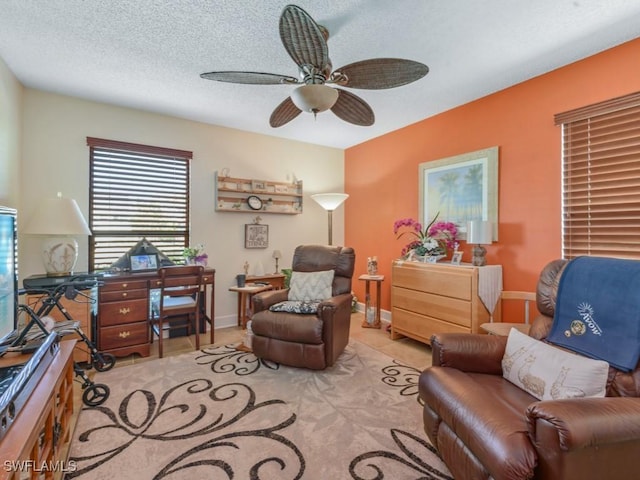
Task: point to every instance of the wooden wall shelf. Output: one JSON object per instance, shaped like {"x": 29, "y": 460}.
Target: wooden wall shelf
{"x": 231, "y": 195}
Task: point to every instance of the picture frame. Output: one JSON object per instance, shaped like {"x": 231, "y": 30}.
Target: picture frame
{"x": 459, "y": 189}
{"x": 456, "y": 258}
{"x": 143, "y": 263}
{"x": 258, "y": 186}
{"x": 256, "y": 236}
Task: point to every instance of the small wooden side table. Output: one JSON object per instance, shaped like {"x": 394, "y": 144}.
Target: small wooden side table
{"x": 378, "y": 279}
{"x": 244, "y": 300}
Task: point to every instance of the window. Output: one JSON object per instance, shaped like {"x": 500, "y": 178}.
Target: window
{"x": 136, "y": 191}
{"x": 601, "y": 179}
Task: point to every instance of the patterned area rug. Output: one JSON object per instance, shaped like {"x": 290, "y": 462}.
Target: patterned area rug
{"x": 223, "y": 414}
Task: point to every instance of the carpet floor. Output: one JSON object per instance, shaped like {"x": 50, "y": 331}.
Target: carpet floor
{"x": 223, "y": 414}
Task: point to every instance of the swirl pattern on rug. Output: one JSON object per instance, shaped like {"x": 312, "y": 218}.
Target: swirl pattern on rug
{"x": 223, "y": 414}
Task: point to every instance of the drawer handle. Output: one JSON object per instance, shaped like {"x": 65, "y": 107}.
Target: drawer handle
{"x": 124, "y": 311}
{"x": 125, "y": 285}
{"x": 124, "y": 294}
{"x": 124, "y": 334}
{"x": 158, "y": 283}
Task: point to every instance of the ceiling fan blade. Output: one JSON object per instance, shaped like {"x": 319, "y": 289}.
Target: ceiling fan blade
{"x": 353, "y": 109}
{"x": 303, "y": 38}
{"x": 379, "y": 73}
{"x": 251, "y": 78}
{"x": 284, "y": 113}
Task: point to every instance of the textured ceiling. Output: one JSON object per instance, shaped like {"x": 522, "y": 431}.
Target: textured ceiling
{"x": 148, "y": 54}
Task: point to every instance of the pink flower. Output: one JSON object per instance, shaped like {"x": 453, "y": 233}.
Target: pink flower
{"x": 435, "y": 239}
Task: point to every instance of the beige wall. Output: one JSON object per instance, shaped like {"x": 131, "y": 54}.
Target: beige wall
{"x": 10, "y": 119}
{"x": 55, "y": 158}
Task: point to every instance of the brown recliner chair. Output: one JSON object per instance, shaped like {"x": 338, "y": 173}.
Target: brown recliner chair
{"x": 307, "y": 340}
{"x": 487, "y": 428}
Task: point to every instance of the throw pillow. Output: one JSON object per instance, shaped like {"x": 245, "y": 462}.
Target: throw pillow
{"x": 308, "y": 286}
{"x": 549, "y": 373}
{"x": 295, "y": 307}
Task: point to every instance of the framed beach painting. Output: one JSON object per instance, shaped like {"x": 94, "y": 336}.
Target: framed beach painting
{"x": 461, "y": 188}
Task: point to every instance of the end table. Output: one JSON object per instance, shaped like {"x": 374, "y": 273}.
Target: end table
{"x": 244, "y": 300}
{"x": 378, "y": 279}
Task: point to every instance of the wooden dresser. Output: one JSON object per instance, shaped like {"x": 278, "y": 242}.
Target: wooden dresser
{"x": 435, "y": 298}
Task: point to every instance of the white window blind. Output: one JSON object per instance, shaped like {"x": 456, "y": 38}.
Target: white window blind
{"x": 601, "y": 179}
{"x": 136, "y": 191}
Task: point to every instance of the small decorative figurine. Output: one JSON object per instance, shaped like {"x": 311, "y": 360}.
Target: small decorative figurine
{"x": 246, "y": 268}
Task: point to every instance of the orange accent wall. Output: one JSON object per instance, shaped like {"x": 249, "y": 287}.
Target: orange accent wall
{"x": 381, "y": 175}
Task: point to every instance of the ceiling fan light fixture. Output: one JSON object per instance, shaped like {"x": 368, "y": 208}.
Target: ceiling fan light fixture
{"x": 314, "y": 98}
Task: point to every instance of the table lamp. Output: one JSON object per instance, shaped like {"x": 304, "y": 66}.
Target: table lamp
{"x": 479, "y": 232}
{"x": 330, "y": 201}
{"x": 58, "y": 219}
{"x": 277, "y": 255}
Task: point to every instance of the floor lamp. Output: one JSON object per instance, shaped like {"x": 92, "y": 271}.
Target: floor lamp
{"x": 330, "y": 201}
{"x": 58, "y": 219}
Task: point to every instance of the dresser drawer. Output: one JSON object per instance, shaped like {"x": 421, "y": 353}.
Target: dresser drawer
{"x": 120, "y": 295}
{"x": 450, "y": 310}
{"x": 446, "y": 281}
{"x": 421, "y": 326}
{"x": 123, "y": 285}
{"x": 129, "y": 311}
{"x": 124, "y": 335}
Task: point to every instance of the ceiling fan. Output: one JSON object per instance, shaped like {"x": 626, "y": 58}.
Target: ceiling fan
{"x": 306, "y": 43}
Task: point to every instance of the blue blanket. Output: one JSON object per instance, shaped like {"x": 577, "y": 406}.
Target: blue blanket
{"x": 598, "y": 310}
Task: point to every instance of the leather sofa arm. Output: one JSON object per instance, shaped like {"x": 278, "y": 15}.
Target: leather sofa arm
{"x": 588, "y": 422}
{"x": 586, "y": 438}
{"x": 340, "y": 303}
{"x": 469, "y": 352}
{"x": 263, "y": 300}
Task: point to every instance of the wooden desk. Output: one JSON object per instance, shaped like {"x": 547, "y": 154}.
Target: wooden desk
{"x": 122, "y": 325}
{"x": 378, "y": 279}
{"x": 244, "y": 300}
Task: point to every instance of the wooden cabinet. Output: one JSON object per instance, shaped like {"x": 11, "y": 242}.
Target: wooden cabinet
{"x": 123, "y": 315}
{"x": 37, "y": 442}
{"x": 436, "y": 298}
{"x": 231, "y": 195}
{"x": 80, "y": 310}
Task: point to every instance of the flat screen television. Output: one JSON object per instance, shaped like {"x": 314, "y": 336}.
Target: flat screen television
{"x": 8, "y": 273}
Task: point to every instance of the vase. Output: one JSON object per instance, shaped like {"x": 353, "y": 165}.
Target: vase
{"x": 427, "y": 258}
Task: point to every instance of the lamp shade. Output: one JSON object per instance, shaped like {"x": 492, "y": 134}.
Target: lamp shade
{"x": 330, "y": 201}
{"x": 277, "y": 254}
{"x": 479, "y": 232}
{"x": 57, "y": 216}
{"x": 314, "y": 98}
{"x": 58, "y": 219}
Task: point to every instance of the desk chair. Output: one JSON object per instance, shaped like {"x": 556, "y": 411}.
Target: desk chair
{"x": 180, "y": 291}
{"x": 503, "y": 328}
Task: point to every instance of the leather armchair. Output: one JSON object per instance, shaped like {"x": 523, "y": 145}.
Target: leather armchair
{"x": 484, "y": 427}
{"x": 307, "y": 340}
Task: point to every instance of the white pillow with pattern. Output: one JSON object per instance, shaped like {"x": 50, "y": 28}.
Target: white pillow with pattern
{"x": 311, "y": 286}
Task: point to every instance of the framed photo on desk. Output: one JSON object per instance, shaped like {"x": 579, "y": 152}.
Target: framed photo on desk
{"x": 144, "y": 263}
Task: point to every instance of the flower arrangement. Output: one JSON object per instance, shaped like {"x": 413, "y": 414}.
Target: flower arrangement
{"x": 195, "y": 255}
{"x": 433, "y": 240}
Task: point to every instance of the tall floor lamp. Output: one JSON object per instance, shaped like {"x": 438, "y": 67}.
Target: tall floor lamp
{"x": 330, "y": 201}
{"x": 58, "y": 219}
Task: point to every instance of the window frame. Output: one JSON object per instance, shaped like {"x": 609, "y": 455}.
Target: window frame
{"x": 144, "y": 153}
{"x": 601, "y": 179}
